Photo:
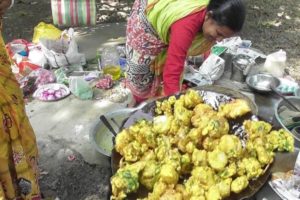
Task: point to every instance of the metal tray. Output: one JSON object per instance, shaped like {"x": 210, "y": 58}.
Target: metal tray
{"x": 225, "y": 93}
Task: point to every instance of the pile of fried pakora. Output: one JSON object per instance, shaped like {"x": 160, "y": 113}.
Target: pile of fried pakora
{"x": 187, "y": 152}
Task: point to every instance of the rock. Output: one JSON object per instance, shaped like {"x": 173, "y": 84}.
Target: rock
{"x": 53, "y": 185}
{"x": 64, "y": 153}
{"x": 92, "y": 197}
{"x": 65, "y": 195}
{"x": 122, "y": 14}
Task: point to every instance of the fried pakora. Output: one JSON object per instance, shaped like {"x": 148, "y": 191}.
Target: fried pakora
{"x": 257, "y": 128}
{"x": 168, "y": 174}
{"x": 150, "y": 174}
{"x": 209, "y": 143}
{"x": 216, "y": 127}
{"x": 162, "y": 124}
{"x": 239, "y": 184}
{"x": 165, "y": 107}
{"x": 217, "y": 160}
{"x": 229, "y": 171}
{"x": 224, "y": 187}
{"x": 250, "y": 167}
{"x": 281, "y": 140}
{"x": 234, "y": 109}
{"x": 205, "y": 176}
{"x": 188, "y": 151}
{"x": 199, "y": 157}
{"x": 122, "y": 140}
{"x": 126, "y": 180}
{"x": 213, "y": 193}
{"x": 192, "y": 99}
{"x": 182, "y": 114}
{"x": 231, "y": 145}
{"x": 202, "y": 114}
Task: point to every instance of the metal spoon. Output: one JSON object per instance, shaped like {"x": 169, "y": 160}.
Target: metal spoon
{"x": 107, "y": 124}
{"x": 136, "y": 111}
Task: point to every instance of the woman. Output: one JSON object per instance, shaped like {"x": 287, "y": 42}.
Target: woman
{"x": 162, "y": 33}
{"x": 18, "y": 149}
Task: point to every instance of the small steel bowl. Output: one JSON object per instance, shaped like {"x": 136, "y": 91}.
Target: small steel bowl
{"x": 262, "y": 82}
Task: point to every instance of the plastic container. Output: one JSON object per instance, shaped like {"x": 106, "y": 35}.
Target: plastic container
{"x": 275, "y": 63}
{"x": 241, "y": 65}
{"x": 110, "y": 62}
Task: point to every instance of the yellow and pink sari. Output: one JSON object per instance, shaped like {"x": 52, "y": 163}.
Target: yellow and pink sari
{"x": 18, "y": 149}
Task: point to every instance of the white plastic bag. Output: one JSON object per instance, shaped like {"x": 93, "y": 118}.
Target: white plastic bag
{"x": 213, "y": 67}
{"x": 62, "y": 52}
{"x": 275, "y": 63}
{"x": 231, "y": 43}
{"x": 36, "y": 56}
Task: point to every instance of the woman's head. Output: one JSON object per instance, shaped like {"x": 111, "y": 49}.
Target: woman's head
{"x": 4, "y": 5}
{"x": 223, "y": 19}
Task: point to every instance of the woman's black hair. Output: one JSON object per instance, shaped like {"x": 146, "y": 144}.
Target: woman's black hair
{"x": 230, "y": 13}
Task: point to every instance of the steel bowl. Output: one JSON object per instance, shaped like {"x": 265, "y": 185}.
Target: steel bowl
{"x": 101, "y": 138}
{"x": 296, "y": 102}
{"x": 262, "y": 82}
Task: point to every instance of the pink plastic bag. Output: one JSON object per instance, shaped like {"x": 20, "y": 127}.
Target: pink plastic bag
{"x": 43, "y": 77}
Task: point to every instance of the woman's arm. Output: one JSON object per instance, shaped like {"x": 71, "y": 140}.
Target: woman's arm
{"x": 12, "y": 4}
{"x": 182, "y": 34}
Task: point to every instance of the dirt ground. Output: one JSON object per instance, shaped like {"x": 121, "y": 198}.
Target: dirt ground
{"x": 271, "y": 25}
{"x": 67, "y": 178}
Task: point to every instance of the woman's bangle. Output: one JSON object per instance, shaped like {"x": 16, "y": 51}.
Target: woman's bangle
{"x": 12, "y": 3}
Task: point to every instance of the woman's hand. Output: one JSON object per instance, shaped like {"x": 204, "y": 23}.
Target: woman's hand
{"x": 4, "y": 5}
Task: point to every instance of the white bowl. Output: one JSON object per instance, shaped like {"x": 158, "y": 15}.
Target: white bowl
{"x": 53, "y": 86}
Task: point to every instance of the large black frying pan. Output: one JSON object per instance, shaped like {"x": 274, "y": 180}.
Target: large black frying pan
{"x": 213, "y": 95}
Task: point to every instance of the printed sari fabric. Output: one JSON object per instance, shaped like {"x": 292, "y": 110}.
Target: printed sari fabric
{"x": 147, "y": 42}
{"x": 18, "y": 149}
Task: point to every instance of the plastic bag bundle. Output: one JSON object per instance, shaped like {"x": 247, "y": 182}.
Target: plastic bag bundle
{"x": 213, "y": 67}
{"x": 18, "y": 51}
{"x": 61, "y": 76}
{"x": 62, "y": 52}
{"x": 80, "y": 88}
{"x": 275, "y": 63}
{"x": 46, "y": 31}
{"x": 105, "y": 83}
{"x": 43, "y": 77}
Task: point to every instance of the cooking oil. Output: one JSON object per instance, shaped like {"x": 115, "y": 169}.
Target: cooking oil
{"x": 114, "y": 70}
